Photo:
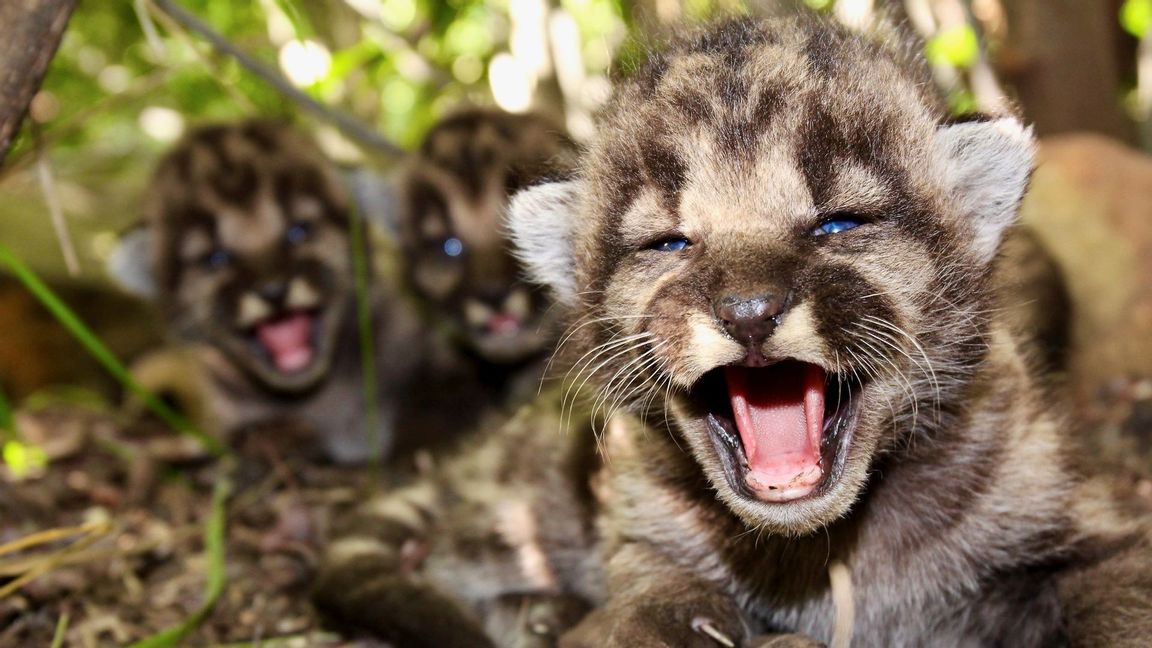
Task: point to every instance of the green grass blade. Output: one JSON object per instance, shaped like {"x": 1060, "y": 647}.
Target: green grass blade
{"x": 7, "y": 423}
{"x": 61, "y": 630}
{"x": 106, "y": 358}
{"x": 360, "y": 247}
{"x": 217, "y": 578}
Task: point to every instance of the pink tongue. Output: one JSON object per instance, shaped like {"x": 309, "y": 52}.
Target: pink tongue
{"x": 780, "y": 416}
{"x": 503, "y": 324}
{"x": 288, "y": 341}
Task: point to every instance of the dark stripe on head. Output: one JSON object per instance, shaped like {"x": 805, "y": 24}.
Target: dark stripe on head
{"x": 825, "y": 144}
{"x": 262, "y": 135}
{"x": 823, "y": 49}
{"x": 623, "y": 181}
{"x": 692, "y": 104}
{"x": 665, "y": 169}
{"x": 424, "y": 201}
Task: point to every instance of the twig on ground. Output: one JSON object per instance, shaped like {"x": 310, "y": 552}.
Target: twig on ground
{"x": 89, "y": 533}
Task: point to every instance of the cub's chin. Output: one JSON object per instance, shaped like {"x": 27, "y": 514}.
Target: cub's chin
{"x": 289, "y": 352}
{"x": 778, "y": 442}
{"x": 510, "y": 342}
{"x": 507, "y": 348}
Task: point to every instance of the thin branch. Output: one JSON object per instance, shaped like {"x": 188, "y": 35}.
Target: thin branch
{"x": 52, "y": 201}
{"x": 347, "y": 124}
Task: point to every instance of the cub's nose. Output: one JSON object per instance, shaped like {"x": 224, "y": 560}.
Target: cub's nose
{"x": 749, "y": 320}
{"x": 273, "y": 291}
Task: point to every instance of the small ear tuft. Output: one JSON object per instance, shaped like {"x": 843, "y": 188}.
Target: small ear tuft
{"x": 130, "y": 263}
{"x": 987, "y": 165}
{"x": 541, "y": 221}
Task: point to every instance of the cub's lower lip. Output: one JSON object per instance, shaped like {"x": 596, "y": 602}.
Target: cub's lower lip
{"x": 781, "y": 432}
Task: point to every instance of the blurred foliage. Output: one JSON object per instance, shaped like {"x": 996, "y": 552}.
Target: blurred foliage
{"x": 958, "y": 47}
{"x": 397, "y": 64}
{"x": 1136, "y": 17}
{"x": 128, "y": 80}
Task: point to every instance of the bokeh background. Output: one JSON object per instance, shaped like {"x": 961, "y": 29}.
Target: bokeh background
{"x": 129, "y": 79}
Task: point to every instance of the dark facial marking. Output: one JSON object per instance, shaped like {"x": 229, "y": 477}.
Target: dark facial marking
{"x": 665, "y": 169}
{"x": 839, "y": 295}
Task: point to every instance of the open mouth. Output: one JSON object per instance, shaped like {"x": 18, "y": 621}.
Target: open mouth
{"x": 288, "y": 341}
{"x": 781, "y": 431}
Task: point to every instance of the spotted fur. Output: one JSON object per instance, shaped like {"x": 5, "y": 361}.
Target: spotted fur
{"x": 955, "y": 502}
{"x": 452, "y": 198}
{"x": 495, "y": 547}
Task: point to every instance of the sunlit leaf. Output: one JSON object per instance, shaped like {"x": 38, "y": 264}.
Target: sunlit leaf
{"x": 398, "y": 15}
{"x": 468, "y": 36}
{"x": 958, "y": 47}
{"x": 962, "y": 102}
{"x": 23, "y": 459}
{"x": 1136, "y": 17}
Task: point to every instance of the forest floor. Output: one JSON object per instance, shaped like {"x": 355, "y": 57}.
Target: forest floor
{"x": 131, "y": 504}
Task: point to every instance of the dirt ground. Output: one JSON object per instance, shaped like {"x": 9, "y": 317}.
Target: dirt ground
{"x": 136, "y": 498}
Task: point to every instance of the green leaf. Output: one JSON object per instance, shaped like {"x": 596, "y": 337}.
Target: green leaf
{"x": 23, "y": 459}
{"x": 958, "y": 47}
{"x": 7, "y": 423}
{"x": 1136, "y": 17}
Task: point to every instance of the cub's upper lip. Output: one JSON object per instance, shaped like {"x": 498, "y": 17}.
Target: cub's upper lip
{"x": 781, "y": 431}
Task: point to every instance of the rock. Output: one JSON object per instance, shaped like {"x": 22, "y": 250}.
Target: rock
{"x": 1090, "y": 205}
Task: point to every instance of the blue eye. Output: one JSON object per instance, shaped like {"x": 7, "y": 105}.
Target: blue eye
{"x": 453, "y": 247}
{"x": 836, "y": 225}
{"x": 671, "y": 245}
{"x": 216, "y": 259}
{"x": 298, "y": 233}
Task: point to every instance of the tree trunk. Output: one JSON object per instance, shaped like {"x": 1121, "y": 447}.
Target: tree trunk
{"x": 1061, "y": 58}
{"x": 30, "y": 32}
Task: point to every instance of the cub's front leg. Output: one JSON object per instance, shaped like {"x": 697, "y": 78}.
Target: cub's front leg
{"x": 654, "y": 602}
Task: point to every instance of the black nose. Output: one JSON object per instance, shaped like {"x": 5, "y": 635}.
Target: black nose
{"x": 273, "y": 291}
{"x": 749, "y": 320}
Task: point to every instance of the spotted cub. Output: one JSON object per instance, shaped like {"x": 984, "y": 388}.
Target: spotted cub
{"x": 452, "y": 196}
{"x": 246, "y": 250}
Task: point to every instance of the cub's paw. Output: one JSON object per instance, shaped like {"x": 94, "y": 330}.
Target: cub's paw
{"x": 659, "y": 625}
{"x": 784, "y": 641}
{"x": 534, "y": 620}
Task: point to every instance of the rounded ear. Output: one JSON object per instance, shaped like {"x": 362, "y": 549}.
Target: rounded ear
{"x": 130, "y": 263}
{"x": 375, "y": 198}
{"x": 987, "y": 166}
{"x": 541, "y": 220}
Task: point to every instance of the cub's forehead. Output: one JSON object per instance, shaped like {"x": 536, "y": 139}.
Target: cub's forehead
{"x": 785, "y": 117}
{"x": 232, "y": 168}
